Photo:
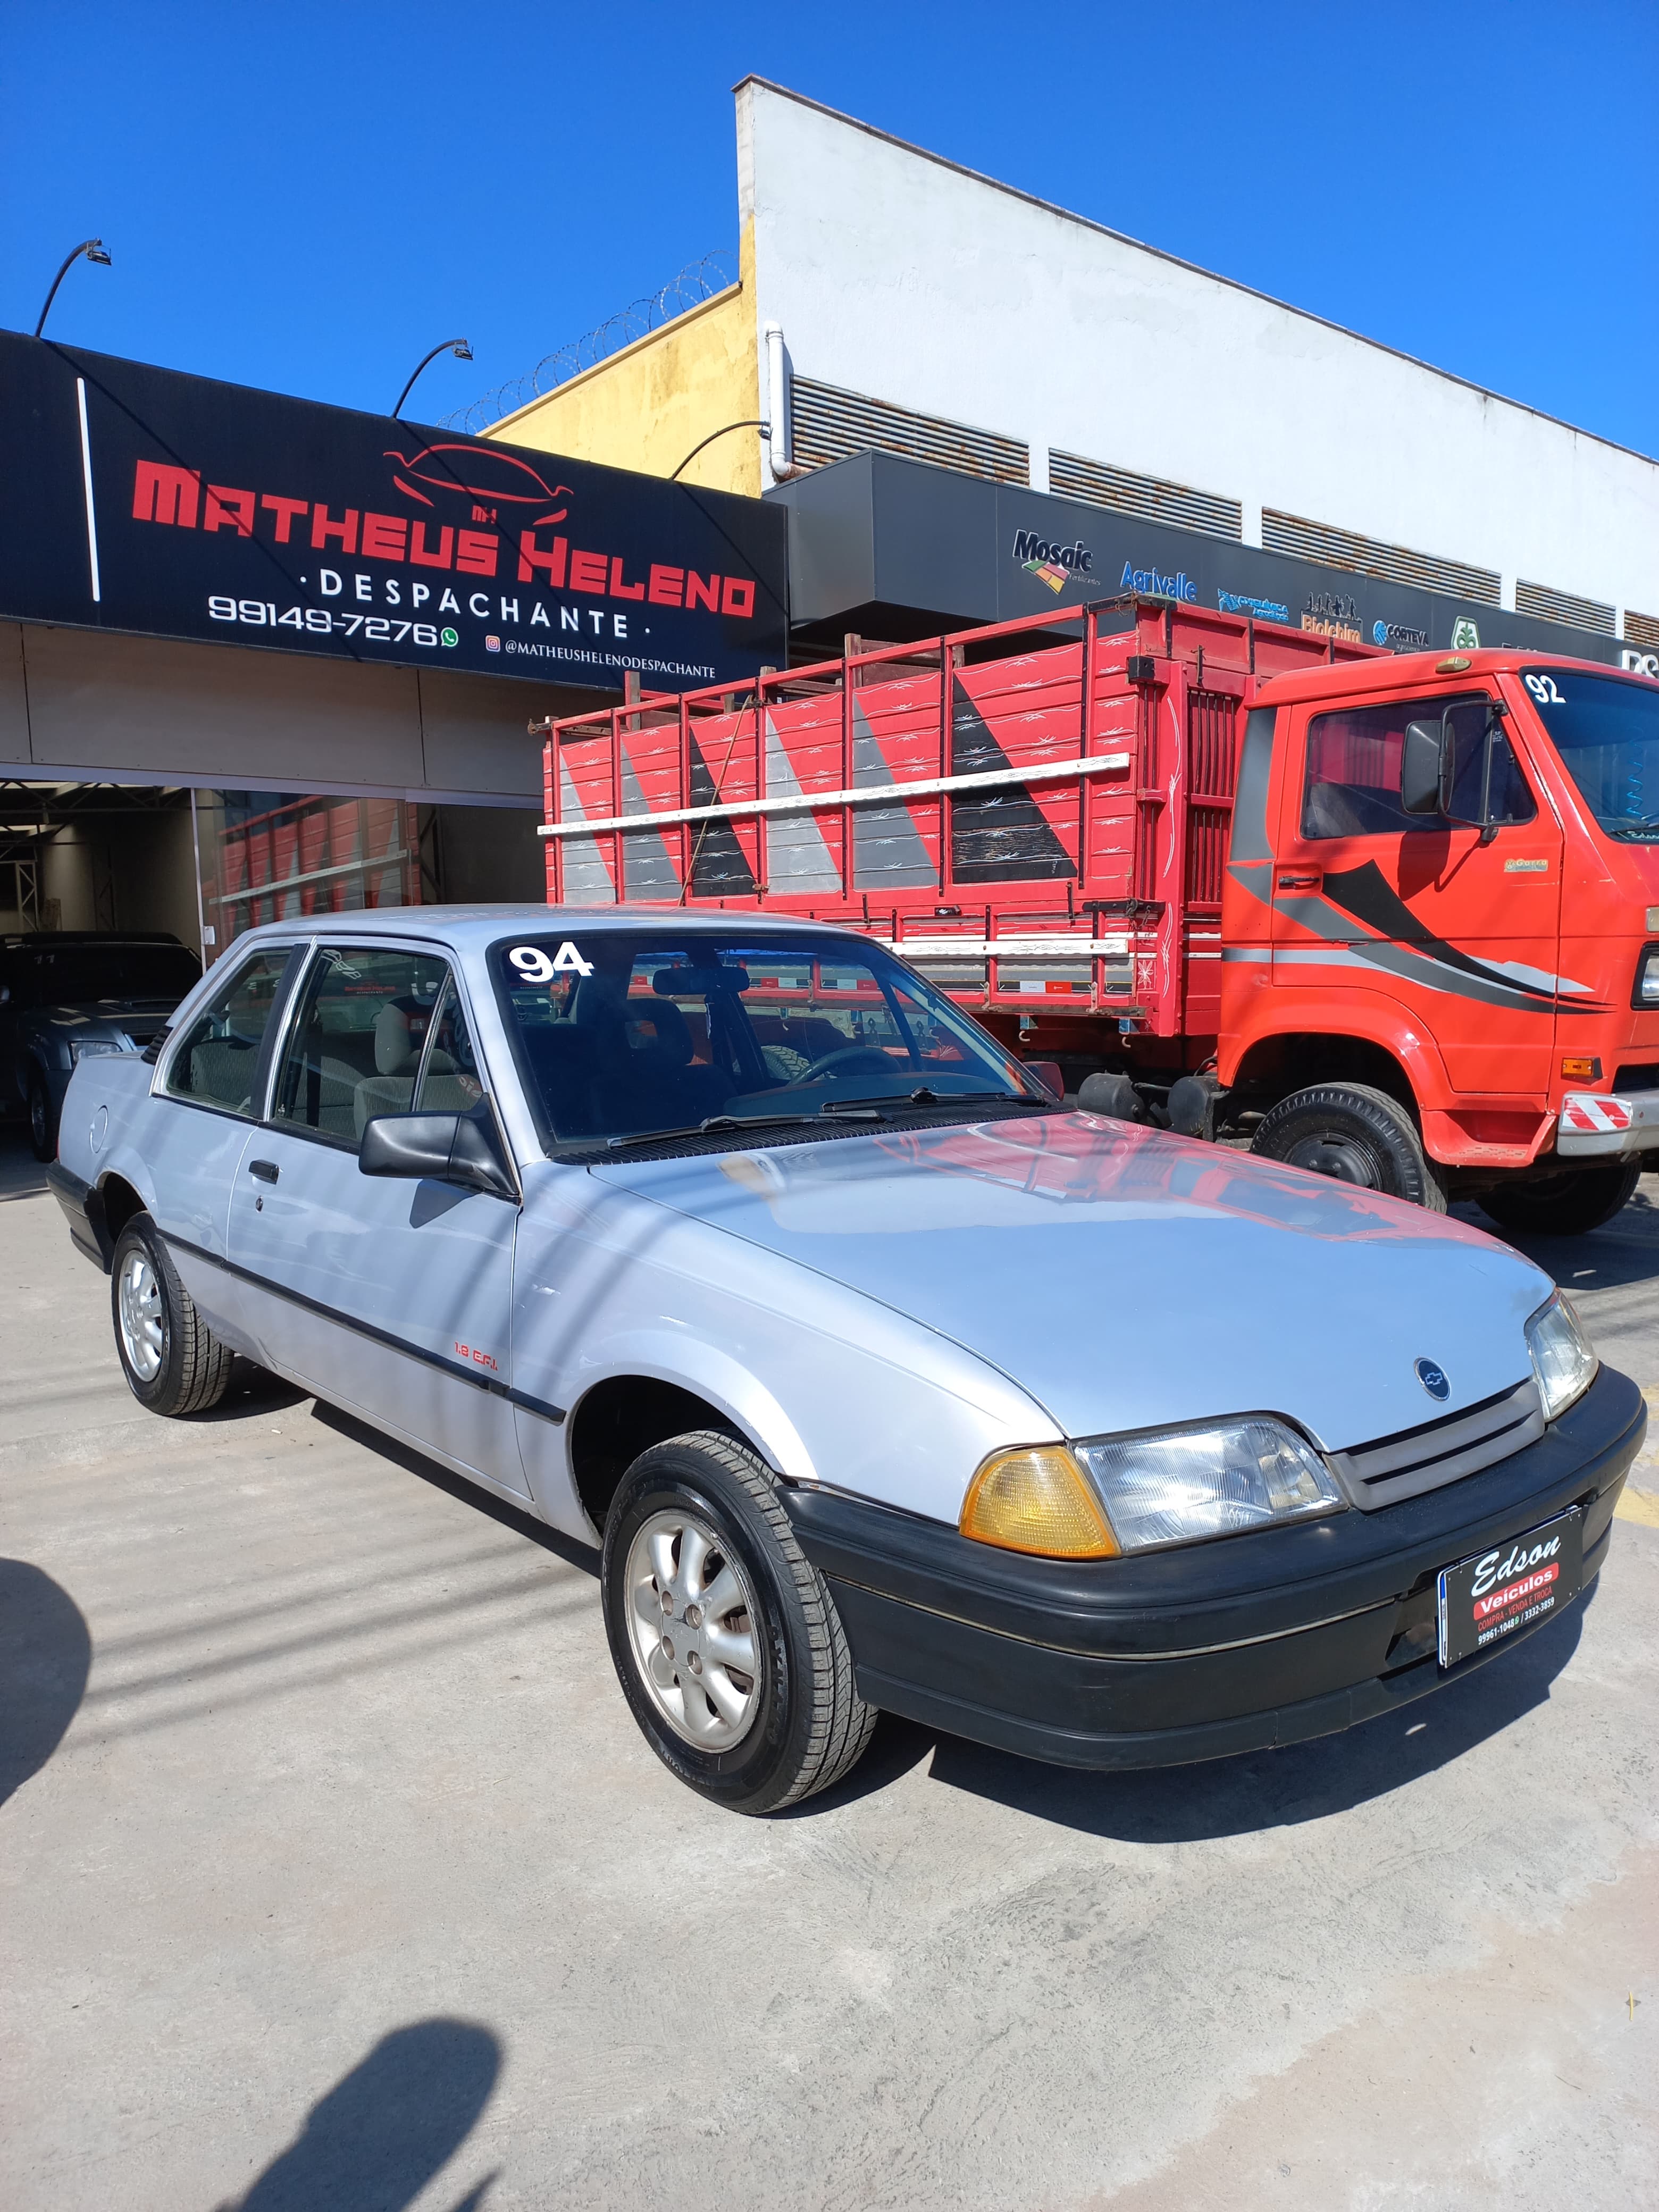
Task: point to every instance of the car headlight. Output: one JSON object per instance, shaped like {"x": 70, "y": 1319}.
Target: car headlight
{"x": 1563, "y": 1364}
{"x": 1188, "y": 1484}
{"x": 91, "y": 1048}
{"x": 1646, "y": 992}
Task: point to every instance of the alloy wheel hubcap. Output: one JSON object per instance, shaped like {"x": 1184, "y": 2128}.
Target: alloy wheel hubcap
{"x": 143, "y": 1337}
{"x": 691, "y": 1627}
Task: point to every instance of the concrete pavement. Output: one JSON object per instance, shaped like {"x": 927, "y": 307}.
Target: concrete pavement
{"x": 333, "y": 1874}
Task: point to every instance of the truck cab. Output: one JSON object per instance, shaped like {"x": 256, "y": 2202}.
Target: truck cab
{"x": 1443, "y": 897}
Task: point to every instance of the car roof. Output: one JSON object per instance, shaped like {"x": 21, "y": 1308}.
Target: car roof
{"x": 471, "y": 927}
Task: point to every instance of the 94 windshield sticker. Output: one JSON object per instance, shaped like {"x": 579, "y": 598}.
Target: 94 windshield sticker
{"x": 533, "y": 964}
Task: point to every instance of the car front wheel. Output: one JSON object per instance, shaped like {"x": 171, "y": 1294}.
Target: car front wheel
{"x": 725, "y": 1637}
{"x": 43, "y": 1119}
{"x": 172, "y": 1362}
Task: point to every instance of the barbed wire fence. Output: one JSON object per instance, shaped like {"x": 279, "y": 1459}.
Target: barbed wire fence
{"x": 697, "y": 281}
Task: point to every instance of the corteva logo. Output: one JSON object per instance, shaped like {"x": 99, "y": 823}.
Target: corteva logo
{"x": 1156, "y": 584}
{"x": 1053, "y": 565}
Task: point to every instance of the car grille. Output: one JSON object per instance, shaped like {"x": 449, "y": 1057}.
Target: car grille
{"x": 1438, "y": 1452}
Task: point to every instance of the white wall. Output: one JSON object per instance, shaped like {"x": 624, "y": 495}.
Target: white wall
{"x": 897, "y": 275}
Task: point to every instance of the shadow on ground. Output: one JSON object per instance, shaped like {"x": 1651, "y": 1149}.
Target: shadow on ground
{"x": 377, "y": 2138}
{"x": 1235, "y": 1796}
{"x": 46, "y": 1650}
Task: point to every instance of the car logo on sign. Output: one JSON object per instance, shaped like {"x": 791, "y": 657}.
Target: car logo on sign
{"x": 1432, "y": 1378}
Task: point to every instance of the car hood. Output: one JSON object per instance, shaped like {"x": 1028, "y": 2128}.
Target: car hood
{"x": 1127, "y": 1279}
{"x": 109, "y": 1013}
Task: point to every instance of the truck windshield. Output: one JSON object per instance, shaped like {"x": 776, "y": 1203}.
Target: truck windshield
{"x": 1606, "y": 729}
{"x": 619, "y": 1033}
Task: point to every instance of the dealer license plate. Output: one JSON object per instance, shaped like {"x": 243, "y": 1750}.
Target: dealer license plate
{"x": 1483, "y": 1600}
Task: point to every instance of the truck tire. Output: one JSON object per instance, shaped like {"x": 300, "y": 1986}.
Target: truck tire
{"x": 1356, "y": 1134}
{"x": 43, "y": 1120}
{"x": 1564, "y": 1205}
{"x": 700, "y": 1573}
{"x": 173, "y": 1361}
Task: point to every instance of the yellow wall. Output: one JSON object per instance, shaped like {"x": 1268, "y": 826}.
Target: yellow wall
{"x": 646, "y": 407}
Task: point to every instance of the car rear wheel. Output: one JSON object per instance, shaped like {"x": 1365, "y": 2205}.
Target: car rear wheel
{"x": 172, "y": 1362}
{"x": 1565, "y": 1204}
{"x": 43, "y": 1120}
{"x": 1355, "y": 1134}
{"x": 725, "y": 1637}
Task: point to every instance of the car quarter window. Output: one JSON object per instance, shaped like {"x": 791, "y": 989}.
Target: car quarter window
{"x": 1352, "y": 785}
{"x": 216, "y": 1060}
{"x": 357, "y": 1045}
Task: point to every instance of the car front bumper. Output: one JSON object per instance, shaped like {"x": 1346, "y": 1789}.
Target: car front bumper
{"x": 1205, "y": 1650}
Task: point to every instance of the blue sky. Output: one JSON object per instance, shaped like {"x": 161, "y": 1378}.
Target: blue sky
{"x": 308, "y": 196}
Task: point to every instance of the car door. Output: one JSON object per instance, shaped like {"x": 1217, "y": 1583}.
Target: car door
{"x": 213, "y": 1080}
{"x": 1460, "y": 924}
{"x": 392, "y": 1297}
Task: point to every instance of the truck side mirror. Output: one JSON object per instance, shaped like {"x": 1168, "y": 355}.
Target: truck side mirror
{"x": 1421, "y": 757}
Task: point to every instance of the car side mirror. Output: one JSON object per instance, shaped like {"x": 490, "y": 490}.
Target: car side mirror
{"x": 1422, "y": 759}
{"x": 458, "y": 1148}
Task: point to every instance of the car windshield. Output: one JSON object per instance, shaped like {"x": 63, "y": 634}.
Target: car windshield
{"x": 620, "y": 1033}
{"x": 1605, "y": 728}
{"x": 75, "y": 974}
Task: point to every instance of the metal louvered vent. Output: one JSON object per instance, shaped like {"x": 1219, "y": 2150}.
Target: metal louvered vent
{"x": 1072, "y": 477}
{"x": 828, "y": 424}
{"x": 1642, "y": 629}
{"x": 1368, "y": 557}
{"x": 1564, "y": 607}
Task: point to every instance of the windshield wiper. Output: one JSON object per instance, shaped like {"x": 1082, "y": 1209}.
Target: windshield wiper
{"x": 923, "y": 1096}
{"x": 717, "y": 1125}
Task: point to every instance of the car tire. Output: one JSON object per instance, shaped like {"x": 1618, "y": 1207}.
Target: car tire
{"x": 696, "y": 1523}
{"x": 173, "y": 1363}
{"x": 43, "y": 1118}
{"x": 1357, "y": 1135}
{"x": 1565, "y": 1204}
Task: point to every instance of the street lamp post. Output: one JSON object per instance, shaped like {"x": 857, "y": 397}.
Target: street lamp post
{"x": 459, "y": 347}
{"x": 93, "y": 250}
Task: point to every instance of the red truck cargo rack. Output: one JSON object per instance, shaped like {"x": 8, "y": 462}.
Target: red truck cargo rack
{"x": 1038, "y": 826}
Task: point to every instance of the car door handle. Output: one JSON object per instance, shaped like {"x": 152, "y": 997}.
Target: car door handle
{"x": 267, "y": 1170}
{"x": 1298, "y": 882}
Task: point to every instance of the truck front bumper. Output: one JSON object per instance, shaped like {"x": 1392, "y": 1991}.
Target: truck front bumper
{"x": 1603, "y": 1125}
{"x": 1195, "y": 1653}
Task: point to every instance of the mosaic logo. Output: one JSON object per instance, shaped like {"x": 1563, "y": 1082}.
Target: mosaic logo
{"x": 1053, "y": 565}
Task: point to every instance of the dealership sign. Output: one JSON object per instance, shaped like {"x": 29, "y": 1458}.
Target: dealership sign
{"x": 135, "y": 499}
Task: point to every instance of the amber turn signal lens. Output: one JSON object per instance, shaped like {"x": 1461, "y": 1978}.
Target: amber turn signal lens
{"x": 1453, "y": 665}
{"x": 1653, "y": 917}
{"x": 1038, "y": 1500}
{"x": 1583, "y": 1067}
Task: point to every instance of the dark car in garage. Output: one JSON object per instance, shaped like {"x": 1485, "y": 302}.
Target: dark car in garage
{"x": 68, "y": 995}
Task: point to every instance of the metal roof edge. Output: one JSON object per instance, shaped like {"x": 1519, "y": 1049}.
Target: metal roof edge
{"x": 1196, "y": 269}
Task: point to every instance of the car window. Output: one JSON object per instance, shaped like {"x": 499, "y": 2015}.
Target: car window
{"x": 216, "y": 1060}
{"x": 1352, "y": 785}
{"x": 77, "y": 975}
{"x": 450, "y": 1079}
{"x": 625, "y": 1032}
{"x": 355, "y": 1047}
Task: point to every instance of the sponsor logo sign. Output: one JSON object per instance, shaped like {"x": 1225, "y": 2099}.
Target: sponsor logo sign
{"x": 1052, "y": 564}
{"x": 134, "y": 499}
{"x": 1332, "y": 614}
{"x": 1242, "y": 603}
{"x": 1157, "y": 583}
{"x": 1404, "y": 637}
{"x": 1466, "y": 636}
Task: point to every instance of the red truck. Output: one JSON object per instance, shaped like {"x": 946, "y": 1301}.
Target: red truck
{"x": 1394, "y": 916}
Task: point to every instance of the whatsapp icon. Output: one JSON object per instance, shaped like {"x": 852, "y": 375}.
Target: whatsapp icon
{"x": 448, "y": 637}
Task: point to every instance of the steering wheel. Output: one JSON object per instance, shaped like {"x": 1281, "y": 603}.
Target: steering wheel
{"x": 852, "y": 1058}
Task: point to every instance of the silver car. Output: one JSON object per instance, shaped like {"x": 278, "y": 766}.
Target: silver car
{"x": 729, "y": 1243}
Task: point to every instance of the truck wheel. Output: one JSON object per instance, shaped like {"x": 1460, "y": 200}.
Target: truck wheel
{"x": 1356, "y": 1134}
{"x": 43, "y": 1121}
{"x": 727, "y": 1643}
{"x": 1564, "y": 1205}
{"x": 172, "y": 1362}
